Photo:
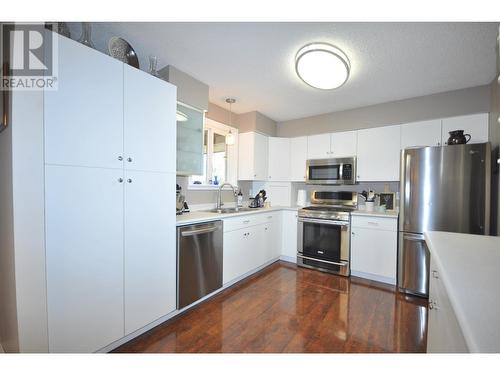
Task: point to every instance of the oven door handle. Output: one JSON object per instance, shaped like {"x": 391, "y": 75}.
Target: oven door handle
{"x": 324, "y": 261}
{"x": 321, "y": 221}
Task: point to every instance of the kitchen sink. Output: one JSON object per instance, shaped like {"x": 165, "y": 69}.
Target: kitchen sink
{"x": 231, "y": 210}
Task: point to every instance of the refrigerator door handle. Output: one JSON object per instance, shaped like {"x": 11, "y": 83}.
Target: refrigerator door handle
{"x": 413, "y": 237}
{"x": 407, "y": 189}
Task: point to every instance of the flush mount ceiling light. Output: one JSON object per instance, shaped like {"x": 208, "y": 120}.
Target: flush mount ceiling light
{"x": 322, "y": 66}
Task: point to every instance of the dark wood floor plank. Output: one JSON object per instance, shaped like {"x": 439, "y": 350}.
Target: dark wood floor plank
{"x": 287, "y": 309}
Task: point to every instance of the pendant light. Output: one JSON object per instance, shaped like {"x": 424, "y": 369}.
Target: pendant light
{"x": 230, "y": 135}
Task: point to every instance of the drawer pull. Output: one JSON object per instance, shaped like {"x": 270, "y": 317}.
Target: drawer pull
{"x": 269, "y": 217}
{"x": 246, "y": 221}
{"x": 372, "y": 222}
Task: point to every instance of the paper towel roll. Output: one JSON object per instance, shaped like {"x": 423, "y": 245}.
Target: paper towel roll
{"x": 301, "y": 198}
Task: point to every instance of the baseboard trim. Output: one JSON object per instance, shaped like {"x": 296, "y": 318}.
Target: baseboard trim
{"x": 370, "y": 276}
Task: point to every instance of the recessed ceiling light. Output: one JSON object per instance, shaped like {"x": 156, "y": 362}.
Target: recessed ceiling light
{"x": 181, "y": 117}
{"x": 322, "y": 66}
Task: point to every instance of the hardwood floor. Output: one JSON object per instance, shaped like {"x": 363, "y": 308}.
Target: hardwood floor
{"x": 285, "y": 309}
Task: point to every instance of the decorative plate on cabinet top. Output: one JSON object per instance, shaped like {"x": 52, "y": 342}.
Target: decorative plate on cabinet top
{"x": 121, "y": 50}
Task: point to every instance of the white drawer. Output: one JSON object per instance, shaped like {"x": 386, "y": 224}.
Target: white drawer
{"x": 373, "y": 222}
{"x": 239, "y": 222}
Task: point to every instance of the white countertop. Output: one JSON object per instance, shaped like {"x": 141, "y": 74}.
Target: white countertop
{"x": 363, "y": 212}
{"x": 469, "y": 266}
{"x": 202, "y": 216}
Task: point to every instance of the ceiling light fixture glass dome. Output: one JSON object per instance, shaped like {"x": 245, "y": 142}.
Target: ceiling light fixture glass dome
{"x": 322, "y": 66}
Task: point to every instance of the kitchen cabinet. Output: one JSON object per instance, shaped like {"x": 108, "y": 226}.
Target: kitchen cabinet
{"x": 84, "y": 257}
{"x": 148, "y": 139}
{"x": 190, "y": 140}
{"x": 279, "y": 159}
{"x": 444, "y": 334}
{"x": 343, "y": 144}
{"x": 298, "y": 158}
{"x": 272, "y": 236}
{"x": 289, "y": 235}
{"x": 250, "y": 242}
{"x": 149, "y": 248}
{"x": 378, "y": 152}
{"x": 240, "y": 256}
{"x": 332, "y": 145}
{"x": 83, "y": 118}
{"x": 253, "y": 157}
{"x": 421, "y": 134}
{"x": 318, "y": 146}
{"x": 476, "y": 125}
{"x": 374, "y": 248}
{"x": 111, "y": 257}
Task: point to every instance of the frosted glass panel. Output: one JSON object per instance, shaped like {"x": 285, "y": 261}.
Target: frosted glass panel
{"x": 189, "y": 141}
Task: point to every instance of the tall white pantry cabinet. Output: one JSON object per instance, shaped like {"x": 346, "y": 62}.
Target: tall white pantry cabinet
{"x": 109, "y": 156}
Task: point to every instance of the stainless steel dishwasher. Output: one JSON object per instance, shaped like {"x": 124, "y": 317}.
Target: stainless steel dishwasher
{"x": 199, "y": 261}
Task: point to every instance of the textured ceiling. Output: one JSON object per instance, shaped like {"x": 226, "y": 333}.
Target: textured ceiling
{"x": 254, "y": 62}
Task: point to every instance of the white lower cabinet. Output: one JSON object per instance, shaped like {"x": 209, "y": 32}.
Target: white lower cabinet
{"x": 289, "y": 235}
{"x": 150, "y": 252}
{"x": 84, "y": 255}
{"x": 249, "y": 247}
{"x": 272, "y": 236}
{"x": 374, "y": 248}
{"x": 444, "y": 334}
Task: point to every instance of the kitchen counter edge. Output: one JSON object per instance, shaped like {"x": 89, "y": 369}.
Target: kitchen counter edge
{"x": 195, "y": 217}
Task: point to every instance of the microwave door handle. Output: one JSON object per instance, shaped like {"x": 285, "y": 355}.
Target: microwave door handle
{"x": 341, "y": 171}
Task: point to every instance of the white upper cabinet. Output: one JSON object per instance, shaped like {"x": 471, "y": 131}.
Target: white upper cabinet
{"x": 378, "y": 154}
{"x": 298, "y": 158}
{"x": 150, "y": 252}
{"x": 279, "y": 159}
{"x": 332, "y": 145}
{"x": 343, "y": 144}
{"x": 475, "y": 125}
{"x": 253, "y": 157}
{"x": 318, "y": 146}
{"x": 84, "y": 116}
{"x": 149, "y": 122}
{"x": 421, "y": 134}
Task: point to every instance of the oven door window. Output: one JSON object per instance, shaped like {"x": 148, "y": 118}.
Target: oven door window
{"x": 322, "y": 241}
{"x": 324, "y": 172}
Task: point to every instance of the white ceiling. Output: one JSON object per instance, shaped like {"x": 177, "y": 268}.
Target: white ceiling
{"x": 254, "y": 62}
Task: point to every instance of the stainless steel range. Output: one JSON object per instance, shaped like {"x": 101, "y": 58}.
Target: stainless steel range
{"x": 324, "y": 231}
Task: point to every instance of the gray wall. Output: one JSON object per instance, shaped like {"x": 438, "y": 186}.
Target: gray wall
{"x": 447, "y": 104}
{"x": 245, "y": 122}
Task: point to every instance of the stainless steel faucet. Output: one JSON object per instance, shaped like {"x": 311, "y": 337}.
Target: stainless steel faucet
{"x": 219, "y": 196}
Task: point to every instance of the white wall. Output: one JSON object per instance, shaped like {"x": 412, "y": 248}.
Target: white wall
{"x": 29, "y": 220}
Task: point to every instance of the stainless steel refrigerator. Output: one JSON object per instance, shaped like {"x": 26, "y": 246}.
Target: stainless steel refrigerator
{"x": 442, "y": 189}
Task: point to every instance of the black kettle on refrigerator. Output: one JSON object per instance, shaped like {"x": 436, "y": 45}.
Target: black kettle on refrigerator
{"x": 457, "y": 137}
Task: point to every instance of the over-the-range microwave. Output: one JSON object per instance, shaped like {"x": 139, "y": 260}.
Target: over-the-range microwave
{"x": 335, "y": 171}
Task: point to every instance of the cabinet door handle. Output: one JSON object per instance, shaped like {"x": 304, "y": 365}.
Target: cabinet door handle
{"x": 353, "y": 234}
{"x": 435, "y": 274}
{"x": 120, "y": 180}
{"x": 129, "y": 180}
{"x": 120, "y": 158}
{"x": 129, "y": 160}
